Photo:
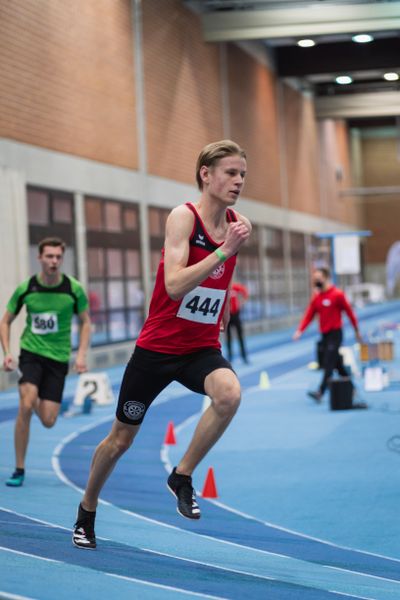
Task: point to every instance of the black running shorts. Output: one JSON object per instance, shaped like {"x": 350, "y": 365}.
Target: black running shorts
{"x": 47, "y": 374}
{"x": 148, "y": 373}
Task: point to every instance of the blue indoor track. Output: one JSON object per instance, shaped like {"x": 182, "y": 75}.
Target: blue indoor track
{"x": 308, "y": 498}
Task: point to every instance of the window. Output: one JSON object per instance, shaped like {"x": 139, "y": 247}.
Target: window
{"x": 62, "y": 210}
{"x": 320, "y": 250}
{"x": 300, "y": 274}
{"x": 157, "y": 219}
{"x": 38, "y": 207}
{"x": 248, "y": 273}
{"x": 114, "y": 267}
{"x": 277, "y": 289}
{"x": 51, "y": 213}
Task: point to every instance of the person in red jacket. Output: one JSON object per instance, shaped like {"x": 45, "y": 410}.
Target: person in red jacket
{"x": 328, "y": 302}
{"x": 237, "y": 297}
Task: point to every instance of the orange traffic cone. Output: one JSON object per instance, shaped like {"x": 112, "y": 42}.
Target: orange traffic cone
{"x": 210, "y": 489}
{"x": 170, "y": 434}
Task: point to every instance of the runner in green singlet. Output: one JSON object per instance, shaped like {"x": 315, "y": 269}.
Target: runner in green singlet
{"x": 51, "y": 299}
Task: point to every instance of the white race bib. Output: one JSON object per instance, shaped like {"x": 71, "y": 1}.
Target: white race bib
{"x": 44, "y": 323}
{"x": 202, "y": 305}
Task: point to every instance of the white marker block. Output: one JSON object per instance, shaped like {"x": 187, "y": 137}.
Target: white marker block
{"x": 96, "y": 386}
{"x": 349, "y": 359}
{"x": 373, "y": 379}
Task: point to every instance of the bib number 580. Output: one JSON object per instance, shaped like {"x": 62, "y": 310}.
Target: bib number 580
{"x": 44, "y": 323}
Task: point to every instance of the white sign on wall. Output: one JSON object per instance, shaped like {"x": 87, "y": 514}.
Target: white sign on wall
{"x": 346, "y": 249}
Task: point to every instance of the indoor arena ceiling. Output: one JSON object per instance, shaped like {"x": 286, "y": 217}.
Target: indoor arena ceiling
{"x": 331, "y": 25}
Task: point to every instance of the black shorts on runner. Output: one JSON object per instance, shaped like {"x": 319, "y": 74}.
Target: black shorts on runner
{"x": 148, "y": 373}
{"x": 47, "y": 374}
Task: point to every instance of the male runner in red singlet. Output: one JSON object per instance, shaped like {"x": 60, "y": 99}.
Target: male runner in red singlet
{"x": 180, "y": 338}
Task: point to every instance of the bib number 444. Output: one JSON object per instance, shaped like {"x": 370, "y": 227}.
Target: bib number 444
{"x": 205, "y": 307}
{"x": 202, "y": 305}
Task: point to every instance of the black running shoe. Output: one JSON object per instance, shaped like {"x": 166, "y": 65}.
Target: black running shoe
{"x": 83, "y": 535}
{"x": 181, "y": 487}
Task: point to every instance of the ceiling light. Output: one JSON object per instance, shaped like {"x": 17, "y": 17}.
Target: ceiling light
{"x": 362, "y": 38}
{"x": 343, "y": 80}
{"x": 306, "y": 43}
{"x": 391, "y": 76}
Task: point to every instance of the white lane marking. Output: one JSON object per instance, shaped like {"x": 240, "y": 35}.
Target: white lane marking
{"x": 247, "y": 573}
{"x": 351, "y": 595}
{"x": 47, "y": 523}
{"x": 165, "y": 460}
{"x": 55, "y": 461}
{"x": 198, "y": 562}
{"x": 164, "y": 455}
{"x": 167, "y": 587}
{"x": 52, "y": 560}
{"x": 132, "y": 579}
{"x": 41, "y": 521}
{"x": 7, "y": 596}
{"x": 168, "y": 466}
{"x": 69, "y": 438}
{"x": 297, "y": 533}
{"x": 258, "y": 550}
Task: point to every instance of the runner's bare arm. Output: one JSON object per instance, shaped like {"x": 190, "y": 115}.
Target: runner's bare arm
{"x": 5, "y": 326}
{"x": 80, "y": 365}
{"x": 227, "y": 311}
{"x": 179, "y": 278}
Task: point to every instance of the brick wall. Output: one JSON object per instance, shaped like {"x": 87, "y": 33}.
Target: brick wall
{"x": 254, "y": 123}
{"x": 302, "y": 153}
{"x": 381, "y": 161}
{"x": 67, "y": 84}
{"x": 67, "y": 79}
{"x": 182, "y": 89}
{"x": 381, "y": 167}
{"x": 335, "y": 173}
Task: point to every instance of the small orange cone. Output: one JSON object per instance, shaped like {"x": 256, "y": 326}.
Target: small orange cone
{"x": 210, "y": 489}
{"x": 170, "y": 434}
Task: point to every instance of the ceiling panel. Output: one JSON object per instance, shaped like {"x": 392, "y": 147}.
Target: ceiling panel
{"x": 279, "y": 24}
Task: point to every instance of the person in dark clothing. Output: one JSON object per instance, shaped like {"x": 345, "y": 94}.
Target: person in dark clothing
{"x": 238, "y": 296}
{"x": 328, "y": 302}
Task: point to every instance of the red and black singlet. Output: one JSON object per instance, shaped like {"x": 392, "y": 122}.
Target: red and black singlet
{"x": 193, "y": 322}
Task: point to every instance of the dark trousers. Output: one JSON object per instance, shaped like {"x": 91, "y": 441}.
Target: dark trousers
{"x": 235, "y": 322}
{"x": 331, "y": 357}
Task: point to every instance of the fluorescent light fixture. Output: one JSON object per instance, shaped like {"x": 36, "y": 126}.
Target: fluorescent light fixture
{"x": 306, "y": 43}
{"x": 343, "y": 79}
{"x": 362, "y": 38}
{"x": 391, "y": 76}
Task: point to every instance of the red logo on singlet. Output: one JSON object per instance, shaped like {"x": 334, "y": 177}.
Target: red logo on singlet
{"x": 218, "y": 273}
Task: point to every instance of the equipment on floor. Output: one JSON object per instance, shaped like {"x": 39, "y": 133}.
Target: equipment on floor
{"x": 374, "y": 380}
{"x": 341, "y": 393}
